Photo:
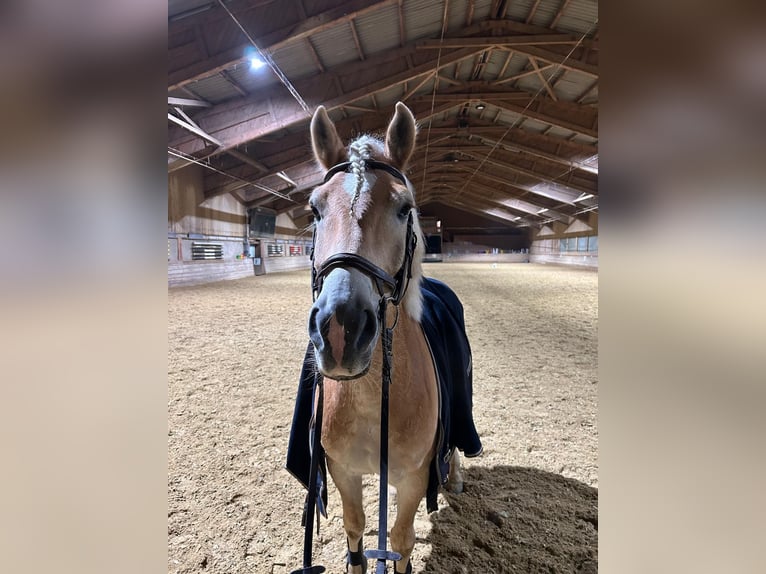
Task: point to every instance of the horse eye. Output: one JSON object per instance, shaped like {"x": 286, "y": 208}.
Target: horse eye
{"x": 315, "y": 211}
{"x": 404, "y": 211}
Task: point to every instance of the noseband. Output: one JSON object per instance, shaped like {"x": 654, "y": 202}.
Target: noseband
{"x": 397, "y": 283}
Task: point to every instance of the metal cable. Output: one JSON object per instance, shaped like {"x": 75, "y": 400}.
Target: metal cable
{"x": 521, "y": 115}
{"x": 187, "y": 157}
{"x": 436, "y": 85}
{"x": 268, "y": 59}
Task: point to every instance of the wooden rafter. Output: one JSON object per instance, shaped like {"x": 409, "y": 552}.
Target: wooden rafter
{"x": 315, "y": 55}
{"x": 269, "y": 42}
{"x": 225, "y": 121}
{"x": 543, "y": 81}
{"x": 559, "y": 13}
{"x": 226, "y": 76}
{"x": 532, "y": 11}
{"x": 357, "y": 43}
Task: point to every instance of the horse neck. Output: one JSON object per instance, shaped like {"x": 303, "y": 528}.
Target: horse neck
{"x": 412, "y": 303}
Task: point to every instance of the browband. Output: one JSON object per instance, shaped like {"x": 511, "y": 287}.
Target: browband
{"x": 368, "y": 164}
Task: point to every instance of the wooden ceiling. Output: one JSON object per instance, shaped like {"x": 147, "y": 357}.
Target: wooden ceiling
{"x": 505, "y": 94}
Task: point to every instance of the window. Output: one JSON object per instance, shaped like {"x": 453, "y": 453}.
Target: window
{"x": 205, "y": 251}
{"x": 275, "y": 250}
{"x": 582, "y": 243}
{"x": 593, "y": 243}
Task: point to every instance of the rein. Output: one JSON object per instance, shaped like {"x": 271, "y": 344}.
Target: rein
{"x": 397, "y": 284}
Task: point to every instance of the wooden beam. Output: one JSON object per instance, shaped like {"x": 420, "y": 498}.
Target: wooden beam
{"x": 193, "y": 129}
{"x": 532, "y": 11}
{"x": 516, "y": 135}
{"x": 576, "y": 188}
{"x": 183, "y": 102}
{"x": 547, "y": 188}
{"x": 520, "y": 205}
{"x": 492, "y": 214}
{"x": 485, "y": 96}
{"x": 243, "y": 157}
{"x": 559, "y": 13}
{"x": 558, "y": 59}
{"x": 272, "y": 41}
{"x": 264, "y": 112}
{"x": 357, "y": 43}
{"x": 476, "y": 195}
{"x": 508, "y": 59}
{"x": 540, "y": 110}
{"x": 402, "y": 33}
{"x": 233, "y": 82}
{"x": 469, "y": 12}
{"x": 587, "y": 91}
{"x": 314, "y": 55}
{"x": 521, "y": 75}
{"x": 510, "y": 144}
{"x": 544, "y": 82}
{"x": 498, "y": 41}
{"x": 292, "y": 154}
{"x": 417, "y": 86}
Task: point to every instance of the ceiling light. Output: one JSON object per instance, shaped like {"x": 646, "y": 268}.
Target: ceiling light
{"x": 480, "y": 106}
{"x": 256, "y": 63}
{"x": 584, "y": 196}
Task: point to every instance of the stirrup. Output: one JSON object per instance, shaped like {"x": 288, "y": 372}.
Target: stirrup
{"x": 356, "y": 559}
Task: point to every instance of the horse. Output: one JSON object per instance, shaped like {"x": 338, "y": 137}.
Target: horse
{"x": 365, "y": 211}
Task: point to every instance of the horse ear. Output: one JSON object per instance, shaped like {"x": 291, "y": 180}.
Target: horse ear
{"x": 400, "y": 137}
{"x": 328, "y": 148}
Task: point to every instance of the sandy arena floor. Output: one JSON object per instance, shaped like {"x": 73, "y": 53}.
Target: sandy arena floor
{"x": 530, "y": 502}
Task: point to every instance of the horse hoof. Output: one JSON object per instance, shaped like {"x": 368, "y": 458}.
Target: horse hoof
{"x": 456, "y": 488}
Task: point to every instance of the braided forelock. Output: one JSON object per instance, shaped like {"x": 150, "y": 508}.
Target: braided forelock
{"x": 359, "y": 151}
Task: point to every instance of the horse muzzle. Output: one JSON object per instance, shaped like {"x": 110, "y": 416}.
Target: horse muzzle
{"x": 343, "y": 325}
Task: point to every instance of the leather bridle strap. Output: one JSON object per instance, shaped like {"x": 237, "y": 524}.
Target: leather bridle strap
{"x": 397, "y": 284}
{"x": 368, "y": 164}
{"x": 317, "y": 454}
{"x": 342, "y": 260}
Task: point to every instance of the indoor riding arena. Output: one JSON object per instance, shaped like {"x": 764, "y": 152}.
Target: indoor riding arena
{"x": 504, "y": 176}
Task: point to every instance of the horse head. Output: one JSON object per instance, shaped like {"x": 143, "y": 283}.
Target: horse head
{"x": 366, "y": 241}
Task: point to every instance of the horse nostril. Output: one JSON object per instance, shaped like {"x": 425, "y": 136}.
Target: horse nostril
{"x": 314, "y": 333}
{"x": 368, "y": 328}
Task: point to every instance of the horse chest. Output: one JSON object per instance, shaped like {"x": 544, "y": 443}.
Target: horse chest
{"x": 351, "y": 433}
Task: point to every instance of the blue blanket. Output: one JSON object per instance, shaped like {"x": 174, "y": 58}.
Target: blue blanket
{"x": 444, "y": 328}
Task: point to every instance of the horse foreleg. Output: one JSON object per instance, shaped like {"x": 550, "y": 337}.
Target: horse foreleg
{"x": 350, "y": 489}
{"x": 409, "y": 493}
{"x": 455, "y": 479}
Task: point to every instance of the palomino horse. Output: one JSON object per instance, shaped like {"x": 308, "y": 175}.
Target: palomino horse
{"x": 365, "y": 208}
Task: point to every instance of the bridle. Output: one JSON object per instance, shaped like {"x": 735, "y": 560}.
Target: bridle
{"x": 397, "y": 284}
